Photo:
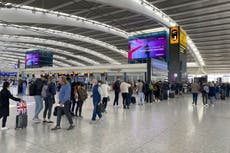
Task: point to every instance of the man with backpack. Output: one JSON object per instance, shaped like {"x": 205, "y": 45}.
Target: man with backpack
{"x": 80, "y": 95}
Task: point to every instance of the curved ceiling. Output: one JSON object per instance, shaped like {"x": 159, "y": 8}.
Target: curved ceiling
{"x": 89, "y": 24}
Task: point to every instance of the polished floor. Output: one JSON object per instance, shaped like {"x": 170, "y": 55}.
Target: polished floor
{"x": 173, "y": 126}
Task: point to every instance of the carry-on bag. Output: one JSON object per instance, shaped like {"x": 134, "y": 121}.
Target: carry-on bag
{"x": 171, "y": 94}
{"x": 21, "y": 117}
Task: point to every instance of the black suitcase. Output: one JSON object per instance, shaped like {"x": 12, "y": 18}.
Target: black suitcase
{"x": 171, "y": 95}
{"x": 21, "y": 117}
{"x": 222, "y": 97}
{"x": 133, "y": 100}
{"x": 21, "y": 121}
{"x": 165, "y": 96}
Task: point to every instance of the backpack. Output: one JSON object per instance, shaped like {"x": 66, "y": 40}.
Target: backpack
{"x": 113, "y": 86}
{"x": 151, "y": 87}
{"x": 45, "y": 91}
{"x": 82, "y": 94}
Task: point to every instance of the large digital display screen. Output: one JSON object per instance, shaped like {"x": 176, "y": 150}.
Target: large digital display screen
{"x": 155, "y": 44}
{"x": 32, "y": 60}
{"x": 38, "y": 58}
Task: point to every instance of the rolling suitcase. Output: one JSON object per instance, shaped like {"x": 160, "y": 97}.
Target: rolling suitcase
{"x": 171, "y": 95}
{"x": 21, "y": 117}
{"x": 165, "y": 96}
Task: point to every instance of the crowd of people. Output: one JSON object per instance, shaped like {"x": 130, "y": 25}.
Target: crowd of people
{"x": 210, "y": 91}
{"x": 72, "y": 95}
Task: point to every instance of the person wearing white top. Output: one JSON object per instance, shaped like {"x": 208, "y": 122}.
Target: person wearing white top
{"x": 105, "y": 94}
{"x": 124, "y": 87}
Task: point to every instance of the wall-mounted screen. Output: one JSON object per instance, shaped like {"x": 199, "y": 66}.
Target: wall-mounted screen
{"x": 32, "y": 60}
{"x": 155, "y": 44}
{"x": 38, "y": 58}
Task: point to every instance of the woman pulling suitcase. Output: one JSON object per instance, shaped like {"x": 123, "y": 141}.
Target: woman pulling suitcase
{"x": 5, "y": 95}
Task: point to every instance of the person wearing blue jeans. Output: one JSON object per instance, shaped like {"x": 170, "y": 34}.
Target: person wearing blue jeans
{"x": 38, "y": 98}
{"x": 96, "y": 101}
{"x": 64, "y": 104}
{"x": 194, "y": 97}
{"x": 195, "y": 88}
{"x": 38, "y": 107}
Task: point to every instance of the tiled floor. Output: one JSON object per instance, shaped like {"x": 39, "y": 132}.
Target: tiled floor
{"x": 172, "y": 126}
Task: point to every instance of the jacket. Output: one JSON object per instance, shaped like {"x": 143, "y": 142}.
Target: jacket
{"x": 38, "y": 87}
{"x": 5, "y": 95}
{"x": 65, "y": 93}
{"x": 212, "y": 92}
{"x": 124, "y": 87}
{"x": 96, "y": 94}
{"x": 105, "y": 89}
{"x": 117, "y": 86}
{"x": 195, "y": 88}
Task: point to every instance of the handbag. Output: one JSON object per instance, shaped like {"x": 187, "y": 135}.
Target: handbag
{"x": 101, "y": 108}
{"x": 108, "y": 98}
{"x": 56, "y": 109}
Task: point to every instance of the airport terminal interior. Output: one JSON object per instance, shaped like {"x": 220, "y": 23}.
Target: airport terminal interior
{"x": 114, "y": 76}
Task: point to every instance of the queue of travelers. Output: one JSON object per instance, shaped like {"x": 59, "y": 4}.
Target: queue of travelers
{"x": 210, "y": 91}
{"x": 72, "y": 96}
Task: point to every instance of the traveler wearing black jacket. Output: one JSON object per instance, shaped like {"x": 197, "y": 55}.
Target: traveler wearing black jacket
{"x": 38, "y": 85}
{"x": 116, "y": 88}
{"x": 5, "y": 95}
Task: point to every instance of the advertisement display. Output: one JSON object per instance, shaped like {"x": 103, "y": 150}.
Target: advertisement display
{"x": 155, "y": 44}
{"x": 38, "y": 58}
{"x": 32, "y": 60}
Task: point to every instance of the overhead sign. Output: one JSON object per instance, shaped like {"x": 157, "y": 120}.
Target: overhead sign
{"x": 183, "y": 38}
{"x": 174, "y": 35}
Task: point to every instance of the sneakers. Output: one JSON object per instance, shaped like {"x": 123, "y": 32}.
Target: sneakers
{"x": 50, "y": 122}
{"x": 4, "y": 128}
{"x": 36, "y": 120}
{"x": 70, "y": 127}
{"x": 92, "y": 122}
{"x": 56, "y": 128}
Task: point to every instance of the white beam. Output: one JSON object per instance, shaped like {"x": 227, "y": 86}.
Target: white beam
{"x": 56, "y": 43}
{"x": 14, "y": 46}
{"x": 35, "y": 31}
{"x": 27, "y": 14}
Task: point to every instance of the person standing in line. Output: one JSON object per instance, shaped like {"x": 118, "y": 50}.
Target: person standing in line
{"x": 116, "y": 88}
{"x": 156, "y": 89}
{"x": 140, "y": 92}
{"x": 105, "y": 94}
{"x": 49, "y": 99}
{"x": 212, "y": 93}
{"x": 124, "y": 87}
{"x": 97, "y": 92}
{"x": 195, "y": 90}
{"x": 227, "y": 89}
{"x": 205, "y": 91}
{"x": 81, "y": 96}
{"x": 72, "y": 99}
{"x": 5, "y": 95}
{"x": 64, "y": 103}
{"x": 38, "y": 85}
